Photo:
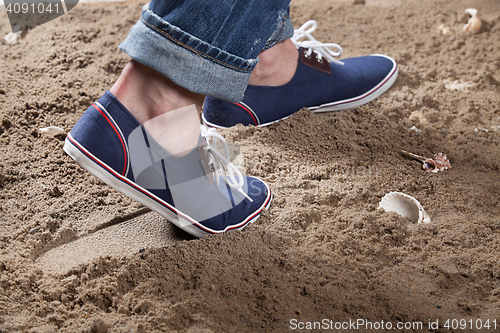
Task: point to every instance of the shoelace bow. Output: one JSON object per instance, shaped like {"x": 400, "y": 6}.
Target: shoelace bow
{"x": 322, "y": 49}
{"x": 221, "y": 164}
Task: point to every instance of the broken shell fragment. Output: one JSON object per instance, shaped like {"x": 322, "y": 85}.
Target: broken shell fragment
{"x": 414, "y": 128}
{"x": 13, "y": 38}
{"x": 415, "y": 156}
{"x": 429, "y": 165}
{"x": 445, "y": 30}
{"x": 458, "y": 85}
{"x": 438, "y": 163}
{"x": 406, "y": 206}
{"x": 52, "y": 130}
{"x": 471, "y": 11}
{"x": 474, "y": 24}
{"x": 441, "y": 162}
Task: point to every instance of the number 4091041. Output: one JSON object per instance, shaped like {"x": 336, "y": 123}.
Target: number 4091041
{"x": 32, "y": 8}
{"x": 470, "y": 324}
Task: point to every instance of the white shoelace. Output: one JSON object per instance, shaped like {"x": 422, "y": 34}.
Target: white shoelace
{"x": 222, "y": 165}
{"x": 322, "y": 49}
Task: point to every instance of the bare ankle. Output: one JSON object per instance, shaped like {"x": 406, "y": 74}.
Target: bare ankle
{"x": 148, "y": 94}
{"x": 277, "y": 65}
{"x": 170, "y": 113}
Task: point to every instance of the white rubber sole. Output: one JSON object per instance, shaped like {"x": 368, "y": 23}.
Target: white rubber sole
{"x": 148, "y": 199}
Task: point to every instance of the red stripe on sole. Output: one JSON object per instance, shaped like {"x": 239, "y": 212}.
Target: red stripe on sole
{"x": 249, "y": 112}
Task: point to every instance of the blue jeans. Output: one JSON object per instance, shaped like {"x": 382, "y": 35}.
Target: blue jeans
{"x": 209, "y": 47}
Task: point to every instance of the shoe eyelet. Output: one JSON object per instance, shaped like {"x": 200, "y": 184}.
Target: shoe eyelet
{"x": 320, "y": 60}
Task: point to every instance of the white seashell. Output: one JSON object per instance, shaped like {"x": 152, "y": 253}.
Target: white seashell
{"x": 12, "y": 38}
{"x": 474, "y": 24}
{"x": 458, "y": 85}
{"x": 414, "y": 128}
{"x": 471, "y": 11}
{"x": 405, "y": 205}
{"x": 52, "y": 130}
{"x": 445, "y": 30}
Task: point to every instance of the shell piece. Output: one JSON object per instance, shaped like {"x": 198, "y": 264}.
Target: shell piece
{"x": 52, "y": 130}
{"x": 439, "y": 163}
{"x": 406, "y": 206}
{"x": 445, "y": 30}
{"x": 474, "y": 24}
{"x": 415, "y": 156}
{"x": 458, "y": 85}
{"x": 471, "y": 11}
{"x": 12, "y": 38}
{"x": 414, "y": 128}
{"x": 429, "y": 165}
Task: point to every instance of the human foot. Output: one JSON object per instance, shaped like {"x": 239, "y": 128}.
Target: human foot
{"x": 112, "y": 144}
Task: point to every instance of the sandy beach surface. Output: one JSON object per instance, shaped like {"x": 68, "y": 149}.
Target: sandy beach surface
{"x": 78, "y": 256}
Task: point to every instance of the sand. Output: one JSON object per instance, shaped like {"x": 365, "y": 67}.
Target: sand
{"x": 77, "y": 256}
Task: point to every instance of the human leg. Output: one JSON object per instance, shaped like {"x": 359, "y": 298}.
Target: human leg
{"x": 198, "y": 43}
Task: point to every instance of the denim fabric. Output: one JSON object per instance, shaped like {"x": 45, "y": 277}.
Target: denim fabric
{"x": 209, "y": 47}
{"x": 283, "y": 31}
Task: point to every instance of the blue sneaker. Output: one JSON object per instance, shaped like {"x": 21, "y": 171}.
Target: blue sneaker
{"x": 321, "y": 83}
{"x": 109, "y": 142}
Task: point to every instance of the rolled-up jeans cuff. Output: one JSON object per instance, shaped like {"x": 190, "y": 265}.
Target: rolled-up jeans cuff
{"x": 283, "y": 31}
{"x": 187, "y": 60}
